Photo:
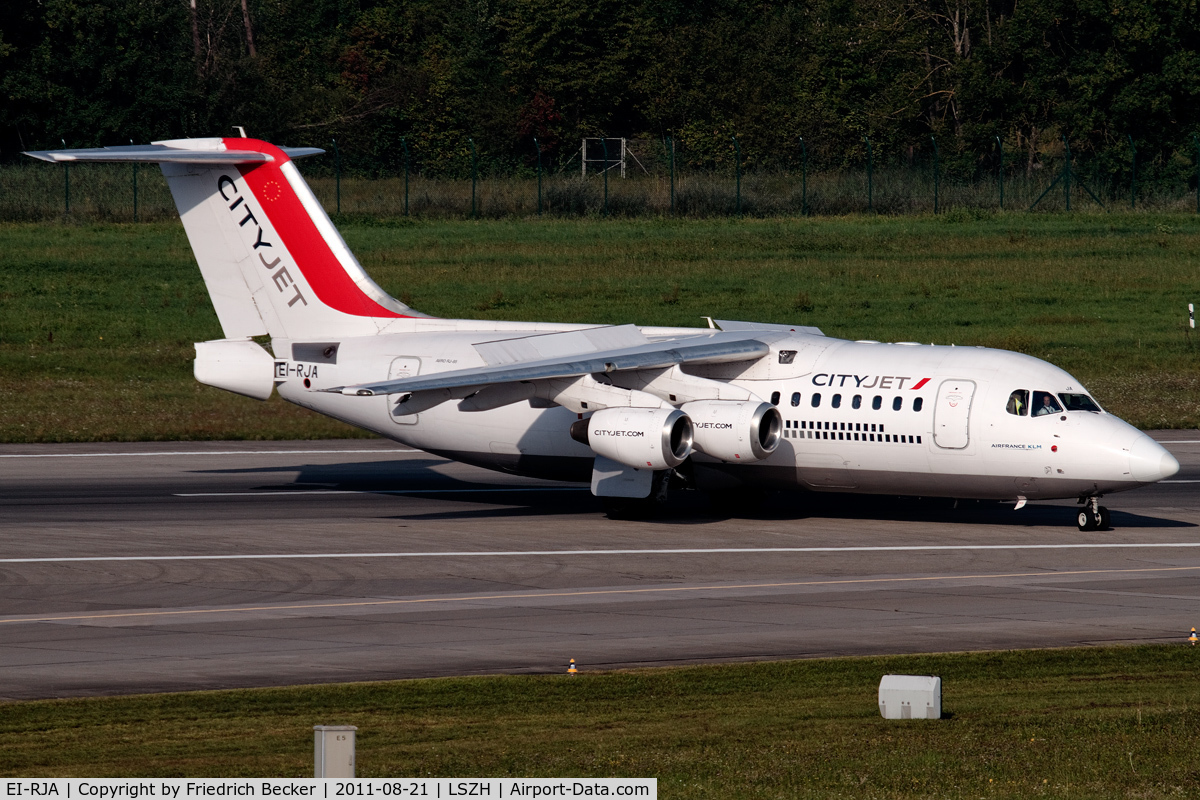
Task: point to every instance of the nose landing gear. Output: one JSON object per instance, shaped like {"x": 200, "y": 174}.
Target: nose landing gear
{"x": 1093, "y": 516}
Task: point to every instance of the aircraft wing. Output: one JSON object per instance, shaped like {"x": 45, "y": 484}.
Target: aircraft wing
{"x": 709, "y": 348}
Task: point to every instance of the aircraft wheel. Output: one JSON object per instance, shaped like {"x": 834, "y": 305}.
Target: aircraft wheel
{"x": 740, "y": 502}
{"x": 635, "y": 508}
{"x": 631, "y": 508}
{"x": 1086, "y": 520}
{"x": 1103, "y": 523}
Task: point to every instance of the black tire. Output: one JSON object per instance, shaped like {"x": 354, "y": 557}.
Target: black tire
{"x": 1104, "y": 520}
{"x": 1085, "y": 520}
{"x": 634, "y": 508}
{"x": 630, "y": 508}
{"x": 741, "y": 502}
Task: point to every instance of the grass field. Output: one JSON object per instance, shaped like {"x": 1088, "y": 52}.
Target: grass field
{"x": 1095, "y": 723}
{"x": 97, "y": 320}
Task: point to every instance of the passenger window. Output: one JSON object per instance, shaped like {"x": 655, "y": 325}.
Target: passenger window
{"x": 857, "y": 401}
{"x": 795, "y": 398}
{"x": 918, "y": 403}
{"x": 897, "y": 403}
{"x": 1044, "y": 403}
{"x": 1018, "y": 403}
{"x": 877, "y": 403}
{"x": 774, "y": 398}
{"x": 816, "y": 400}
{"x": 1078, "y": 402}
{"x": 836, "y": 402}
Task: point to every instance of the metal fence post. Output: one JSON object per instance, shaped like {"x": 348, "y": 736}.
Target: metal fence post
{"x": 539, "y": 167}
{"x": 404, "y": 145}
{"x": 1132, "y": 173}
{"x": 474, "y": 175}
{"x": 135, "y": 197}
{"x": 935, "y": 174}
{"x": 1067, "y": 173}
{"x": 604, "y": 144}
{"x": 1196, "y": 144}
{"x": 66, "y": 183}
{"x": 870, "y": 178}
{"x": 337, "y": 171}
{"x": 803, "y": 178}
{"x": 1000, "y": 171}
{"x": 671, "y": 163}
{"x": 737, "y": 168}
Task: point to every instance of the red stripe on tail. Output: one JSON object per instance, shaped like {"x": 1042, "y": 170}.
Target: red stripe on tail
{"x": 320, "y": 267}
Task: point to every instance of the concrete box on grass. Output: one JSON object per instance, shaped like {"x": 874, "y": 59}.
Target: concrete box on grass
{"x": 910, "y": 697}
{"x": 333, "y": 756}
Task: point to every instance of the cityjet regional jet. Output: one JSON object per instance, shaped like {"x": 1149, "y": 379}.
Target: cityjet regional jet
{"x": 634, "y": 409}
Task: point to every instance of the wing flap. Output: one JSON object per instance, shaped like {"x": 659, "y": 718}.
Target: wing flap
{"x": 711, "y": 349}
{"x": 560, "y": 345}
{"x": 739, "y": 325}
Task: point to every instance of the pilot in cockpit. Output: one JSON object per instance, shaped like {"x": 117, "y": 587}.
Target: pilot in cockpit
{"x": 1044, "y": 403}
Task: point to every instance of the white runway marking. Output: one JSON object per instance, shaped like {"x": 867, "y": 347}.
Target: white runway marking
{"x": 299, "y": 492}
{"x": 659, "y": 590}
{"x": 202, "y": 453}
{"x": 672, "y": 551}
{"x": 1179, "y": 481}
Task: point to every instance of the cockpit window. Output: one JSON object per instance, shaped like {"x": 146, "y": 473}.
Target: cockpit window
{"x": 1018, "y": 403}
{"x": 1044, "y": 403}
{"x": 1078, "y": 402}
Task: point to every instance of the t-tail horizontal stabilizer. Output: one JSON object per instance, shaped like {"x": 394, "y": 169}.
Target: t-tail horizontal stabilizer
{"x": 271, "y": 259}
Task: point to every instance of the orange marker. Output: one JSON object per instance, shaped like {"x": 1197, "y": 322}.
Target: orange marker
{"x": 573, "y": 671}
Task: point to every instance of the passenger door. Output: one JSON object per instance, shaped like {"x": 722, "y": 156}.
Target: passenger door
{"x": 952, "y": 414}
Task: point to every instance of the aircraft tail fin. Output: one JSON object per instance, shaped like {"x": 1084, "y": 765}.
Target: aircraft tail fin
{"x": 270, "y": 256}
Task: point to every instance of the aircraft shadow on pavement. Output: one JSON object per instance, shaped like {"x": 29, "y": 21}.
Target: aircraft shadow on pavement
{"x": 411, "y": 477}
{"x": 798, "y": 505}
{"x": 415, "y": 478}
{"x": 693, "y": 508}
{"x": 362, "y": 476}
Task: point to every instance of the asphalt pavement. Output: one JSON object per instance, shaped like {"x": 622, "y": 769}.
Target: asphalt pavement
{"x": 169, "y": 566}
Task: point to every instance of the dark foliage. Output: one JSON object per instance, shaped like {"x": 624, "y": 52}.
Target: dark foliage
{"x": 973, "y": 73}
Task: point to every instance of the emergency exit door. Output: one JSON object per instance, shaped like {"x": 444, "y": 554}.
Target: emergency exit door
{"x": 952, "y": 414}
{"x": 404, "y": 367}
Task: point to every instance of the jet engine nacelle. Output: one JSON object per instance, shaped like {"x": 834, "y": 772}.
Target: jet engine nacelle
{"x": 642, "y": 438}
{"x": 735, "y": 431}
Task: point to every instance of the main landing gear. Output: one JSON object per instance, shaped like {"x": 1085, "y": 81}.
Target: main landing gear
{"x": 1093, "y": 516}
{"x": 641, "y": 508}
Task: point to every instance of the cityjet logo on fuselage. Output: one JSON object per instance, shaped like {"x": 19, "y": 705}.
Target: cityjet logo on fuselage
{"x": 865, "y": 381}
{"x": 281, "y": 277}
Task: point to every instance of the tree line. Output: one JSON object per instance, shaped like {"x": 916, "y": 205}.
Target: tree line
{"x": 977, "y": 75}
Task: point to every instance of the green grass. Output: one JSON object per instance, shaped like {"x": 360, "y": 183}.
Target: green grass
{"x": 1097, "y": 723}
{"x": 97, "y": 321}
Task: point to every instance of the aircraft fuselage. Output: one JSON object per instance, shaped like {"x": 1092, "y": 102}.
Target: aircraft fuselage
{"x": 867, "y": 417}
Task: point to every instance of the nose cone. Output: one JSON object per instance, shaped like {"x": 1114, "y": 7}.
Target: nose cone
{"x": 1150, "y": 462}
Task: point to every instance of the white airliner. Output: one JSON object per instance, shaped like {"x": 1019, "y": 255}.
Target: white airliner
{"x": 635, "y": 409}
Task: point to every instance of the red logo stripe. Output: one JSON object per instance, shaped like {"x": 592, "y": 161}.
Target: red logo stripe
{"x": 325, "y": 274}
{"x": 921, "y": 383}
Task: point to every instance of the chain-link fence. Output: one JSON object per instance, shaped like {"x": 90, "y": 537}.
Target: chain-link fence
{"x": 660, "y": 180}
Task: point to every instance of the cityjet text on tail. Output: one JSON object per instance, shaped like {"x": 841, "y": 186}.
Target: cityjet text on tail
{"x": 634, "y": 409}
